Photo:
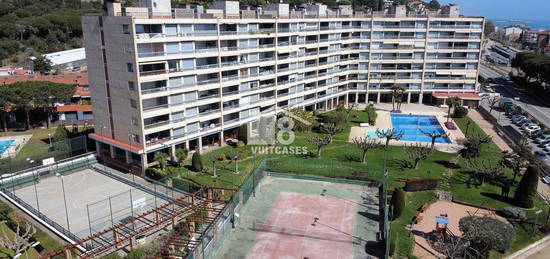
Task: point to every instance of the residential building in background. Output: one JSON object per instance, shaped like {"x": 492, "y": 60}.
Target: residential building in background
{"x": 164, "y": 78}
{"x": 78, "y": 110}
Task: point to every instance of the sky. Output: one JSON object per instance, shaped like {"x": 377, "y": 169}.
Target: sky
{"x": 505, "y": 9}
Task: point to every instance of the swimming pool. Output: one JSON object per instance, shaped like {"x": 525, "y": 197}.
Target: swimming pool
{"x": 412, "y": 125}
{"x": 5, "y": 144}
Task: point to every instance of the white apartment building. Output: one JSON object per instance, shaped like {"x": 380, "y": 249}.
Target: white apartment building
{"x": 163, "y": 78}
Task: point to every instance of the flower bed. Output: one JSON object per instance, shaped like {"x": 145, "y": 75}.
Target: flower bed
{"x": 450, "y": 125}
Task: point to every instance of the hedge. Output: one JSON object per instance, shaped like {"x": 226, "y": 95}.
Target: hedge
{"x": 420, "y": 184}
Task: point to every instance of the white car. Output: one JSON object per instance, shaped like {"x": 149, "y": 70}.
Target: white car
{"x": 530, "y": 126}
{"x": 542, "y": 138}
{"x": 530, "y": 131}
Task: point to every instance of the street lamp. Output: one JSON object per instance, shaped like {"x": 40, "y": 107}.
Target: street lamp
{"x": 60, "y": 176}
{"x": 129, "y": 165}
{"x": 104, "y": 164}
{"x": 236, "y": 164}
{"x": 214, "y": 166}
{"x": 50, "y": 139}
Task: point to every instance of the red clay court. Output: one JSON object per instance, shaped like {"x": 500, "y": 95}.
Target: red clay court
{"x": 306, "y": 226}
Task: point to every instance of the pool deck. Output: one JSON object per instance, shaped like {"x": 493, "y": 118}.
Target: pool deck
{"x": 383, "y": 121}
{"x": 18, "y": 142}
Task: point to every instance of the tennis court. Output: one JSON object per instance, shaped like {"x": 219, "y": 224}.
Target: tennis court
{"x": 86, "y": 201}
{"x": 295, "y": 218}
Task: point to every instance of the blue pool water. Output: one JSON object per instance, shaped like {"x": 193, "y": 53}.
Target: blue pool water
{"x": 5, "y": 144}
{"x": 412, "y": 125}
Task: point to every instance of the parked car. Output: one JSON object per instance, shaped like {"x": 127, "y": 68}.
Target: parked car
{"x": 546, "y": 147}
{"x": 536, "y": 134}
{"x": 530, "y": 131}
{"x": 519, "y": 119}
{"x": 529, "y": 126}
{"x": 542, "y": 138}
{"x": 524, "y": 122}
{"x": 541, "y": 155}
{"x": 544, "y": 143}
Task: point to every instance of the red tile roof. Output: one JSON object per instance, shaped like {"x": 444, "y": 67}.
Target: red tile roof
{"x": 81, "y": 91}
{"x": 72, "y": 78}
{"x": 459, "y": 95}
{"x": 115, "y": 142}
{"x": 73, "y": 108}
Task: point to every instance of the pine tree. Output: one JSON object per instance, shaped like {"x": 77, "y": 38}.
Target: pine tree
{"x": 243, "y": 133}
{"x": 196, "y": 162}
{"x": 527, "y": 188}
{"x": 397, "y": 203}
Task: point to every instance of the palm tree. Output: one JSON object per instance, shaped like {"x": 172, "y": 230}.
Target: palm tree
{"x": 397, "y": 96}
{"x": 451, "y": 102}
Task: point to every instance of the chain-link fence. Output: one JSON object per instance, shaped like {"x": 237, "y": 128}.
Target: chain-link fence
{"x": 59, "y": 150}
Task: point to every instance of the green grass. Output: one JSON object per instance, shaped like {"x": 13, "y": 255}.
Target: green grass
{"x": 342, "y": 159}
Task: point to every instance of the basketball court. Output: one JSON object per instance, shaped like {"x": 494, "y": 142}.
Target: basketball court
{"x": 294, "y": 218}
{"x": 86, "y": 201}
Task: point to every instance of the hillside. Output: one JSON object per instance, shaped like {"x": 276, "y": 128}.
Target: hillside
{"x": 31, "y": 27}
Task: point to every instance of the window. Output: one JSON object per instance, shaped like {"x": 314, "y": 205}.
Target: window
{"x": 130, "y": 67}
{"x": 135, "y": 138}
{"x": 134, "y": 121}
{"x": 133, "y": 103}
{"x": 131, "y": 86}
{"x": 126, "y": 28}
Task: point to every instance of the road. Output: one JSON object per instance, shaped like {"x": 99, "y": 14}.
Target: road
{"x": 534, "y": 106}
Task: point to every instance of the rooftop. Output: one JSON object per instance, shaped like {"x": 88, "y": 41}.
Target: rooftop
{"x": 80, "y": 78}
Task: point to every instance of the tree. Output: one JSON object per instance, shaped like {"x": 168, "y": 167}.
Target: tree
{"x": 397, "y": 96}
{"x": 196, "y": 162}
{"x": 513, "y": 161}
{"x": 320, "y": 142}
{"x": 485, "y": 169}
{"x": 330, "y": 129}
{"x": 52, "y": 93}
{"x": 473, "y": 145}
{"x": 397, "y": 203}
{"x": 489, "y": 28}
{"x": 42, "y": 64}
{"x": 5, "y": 105}
{"x": 434, "y": 135}
{"x": 460, "y": 112}
{"x": 19, "y": 242}
{"x": 162, "y": 159}
{"x": 366, "y": 144}
{"x": 181, "y": 155}
{"x": 60, "y": 139}
{"x": 433, "y": 5}
{"x": 389, "y": 134}
{"x": 527, "y": 189}
{"x": 486, "y": 233}
{"x": 451, "y": 102}
{"x": 417, "y": 153}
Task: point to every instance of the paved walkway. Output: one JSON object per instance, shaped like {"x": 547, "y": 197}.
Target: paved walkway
{"x": 488, "y": 128}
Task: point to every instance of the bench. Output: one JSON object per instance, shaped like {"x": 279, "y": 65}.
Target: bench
{"x": 363, "y": 124}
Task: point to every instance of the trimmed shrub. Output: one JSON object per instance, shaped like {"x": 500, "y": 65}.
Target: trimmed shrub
{"x": 196, "y": 162}
{"x": 545, "y": 228}
{"x": 397, "y": 203}
{"x": 513, "y": 213}
{"x": 487, "y": 233}
{"x": 420, "y": 184}
{"x": 371, "y": 114}
{"x": 527, "y": 189}
{"x": 240, "y": 144}
{"x": 222, "y": 157}
{"x": 460, "y": 112}
{"x": 5, "y": 211}
{"x": 243, "y": 133}
{"x": 155, "y": 173}
{"x": 336, "y": 118}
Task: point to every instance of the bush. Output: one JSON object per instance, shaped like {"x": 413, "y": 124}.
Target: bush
{"x": 181, "y": 155}
{"x": 397, "y": 203}
{"x": 196, "y": 162}
{"x": 155, "y": 173}
{"x": 138, "y": 253}
{"x": 420, "y": 184}
{"x": 527, "y": 189}
{"x": 240, "y": 144}
{"x": 513, "y": 213}
{"x": 5, "y": 211}
{"x": 545, "y": 228}
{"x": 222, "y": 157}
{"x": 487, "y": 233}
{"x": 460, "y": 112}
{"x": 336, "y": 118}
{"x": 371, "y": 114}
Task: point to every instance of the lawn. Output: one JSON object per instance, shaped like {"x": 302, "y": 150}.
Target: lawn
{"x": 342, "y": 159}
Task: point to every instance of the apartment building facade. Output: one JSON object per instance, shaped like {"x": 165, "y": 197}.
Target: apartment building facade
{"x": 164, "y": 78}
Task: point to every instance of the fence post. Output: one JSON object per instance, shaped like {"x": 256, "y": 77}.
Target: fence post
{"x": 132, "y": 207}
{"x": 89, "y": 222}
{"x": 111, "y": 211}
{"x": 35, "y": 178}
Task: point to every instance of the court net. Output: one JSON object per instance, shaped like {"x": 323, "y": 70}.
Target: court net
{"x": 307, "y": 232}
